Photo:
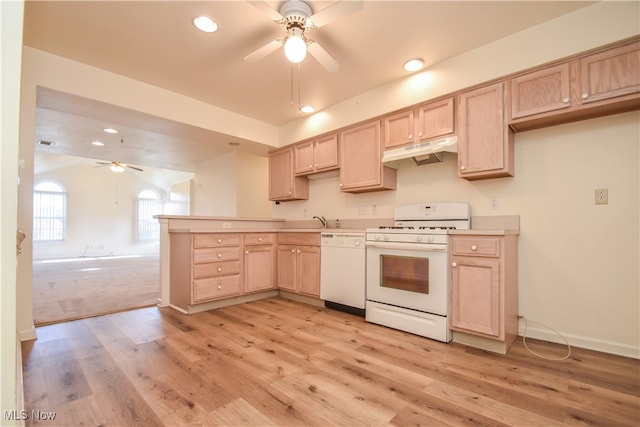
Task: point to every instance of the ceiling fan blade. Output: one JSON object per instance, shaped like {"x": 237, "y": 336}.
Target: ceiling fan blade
{"x": 263, "y": 7}
{"x": 263, "y": 51}
{"x": 103, "y": 163}
{"x": 323, "y": 57}
{"x": 134, "y": 168}
{"x": 335, "y": 11}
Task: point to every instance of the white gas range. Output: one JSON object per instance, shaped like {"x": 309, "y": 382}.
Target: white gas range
{"x": 407, "y": 276}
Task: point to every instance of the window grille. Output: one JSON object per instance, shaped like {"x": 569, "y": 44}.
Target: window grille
{"x": 149, "y": 204}
{"x": 49, "y": 213}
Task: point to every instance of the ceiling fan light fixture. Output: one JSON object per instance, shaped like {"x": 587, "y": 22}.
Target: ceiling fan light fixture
{"x": 413, "y": 64}
{"x": 97, "y": 143}
{"x": 295, "y": 46}
{"x": 205, "y": 24}
{"x": 307, "y": 109}
{"x": 117, "y": 167}
{"x": 110, "y": 130}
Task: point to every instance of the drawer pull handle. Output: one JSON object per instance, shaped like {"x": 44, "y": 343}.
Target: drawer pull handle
{"x": 454, "y": 264}
{"x": 219, "y": 255}
{"x": 219, "y": 287}
{"x": 219, "y": 269}
{"x": 219, "y": 240}
{"x": 474, "y": 248}
{"x": 259, "y": 239}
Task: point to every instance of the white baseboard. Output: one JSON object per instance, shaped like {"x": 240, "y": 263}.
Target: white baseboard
{"x": 610, "y": 347}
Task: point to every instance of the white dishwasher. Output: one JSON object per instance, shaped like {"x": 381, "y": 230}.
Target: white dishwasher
{"x": 342, "y": 270}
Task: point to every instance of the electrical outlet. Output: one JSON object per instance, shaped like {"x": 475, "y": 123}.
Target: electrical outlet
{"x": 602, "y": 196}
{"x": 226, "y": 225}
{"x": 493, "y": 204}
{"x": 363, "y": 210}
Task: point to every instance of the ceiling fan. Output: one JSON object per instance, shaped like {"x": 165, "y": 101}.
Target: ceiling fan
{"x": 118, "y": 166}
{"x": 296, "y": 18}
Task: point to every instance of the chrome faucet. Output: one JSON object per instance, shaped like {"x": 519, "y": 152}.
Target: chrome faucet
{"x": 322, "y": 219}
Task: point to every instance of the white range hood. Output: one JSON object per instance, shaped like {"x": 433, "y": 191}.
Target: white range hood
{"x": 423, "y": 152}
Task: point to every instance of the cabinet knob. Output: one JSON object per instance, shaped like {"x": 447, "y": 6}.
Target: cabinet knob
{"x": 316, "y": 166}
{"x": 585, "y": 95}
{"x": 259, "y": 239}
{"x": 293, "y": 251}
{"x": 454, "y": 264}
{"x": 219, "y": 269}
{"x": 565, "y": 100}
{"x": 219, "y": 255}
{"x": 219, "y": 240}
{"x": 298, "y": 250}
{"x": 219, "y": 287}
{"x": 247, "y": 252}
{"x": 420, "y": 134}
{"x": 474, "y": 248}
{"x": 462, "y": 167}
{"x": 410, "y": 137}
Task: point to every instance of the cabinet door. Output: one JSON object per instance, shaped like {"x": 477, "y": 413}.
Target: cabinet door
{"x": 361, "y": 166}
{"x": 398, "y": 129}
{"x": 541, "y": 91}
{"x": 259, "y": 268}
{"x": 435, "y": 119}
{"x": 325, "y": 153}
{"x": 485, "y": 143}
{"x": 303, "y": 157}
{"x": 610, "y": 74}
{"x": 475, "y": 296}
{"x": 309, "y": 270}
{"x": 283, "y": 185}
{"x": 287, "y": 255}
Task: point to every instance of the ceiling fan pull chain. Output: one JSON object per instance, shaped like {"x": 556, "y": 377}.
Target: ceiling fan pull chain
{"x": 299, "y": 84}
{"x": 291, "y": 100}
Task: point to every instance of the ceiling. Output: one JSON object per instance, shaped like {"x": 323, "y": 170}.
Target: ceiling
{"x": 155, "y": 42}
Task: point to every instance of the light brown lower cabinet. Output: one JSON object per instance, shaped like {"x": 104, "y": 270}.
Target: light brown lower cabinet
{"x": 259, "y": 262}
{"x": 484, "y": 290}
{"x": 298, "y": 256}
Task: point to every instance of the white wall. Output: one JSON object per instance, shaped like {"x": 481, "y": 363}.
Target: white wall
{"x": 11, "y": 16}
{"x": 233, "y": 185}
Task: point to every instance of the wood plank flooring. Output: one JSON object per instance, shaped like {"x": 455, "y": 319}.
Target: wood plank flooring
{"x": 85, "y": 287}
{"x": 277, "y": 362}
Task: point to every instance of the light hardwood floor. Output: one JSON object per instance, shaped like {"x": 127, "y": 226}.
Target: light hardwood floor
{"x": 279, "y": 362}
{"x": 74, "y": 289}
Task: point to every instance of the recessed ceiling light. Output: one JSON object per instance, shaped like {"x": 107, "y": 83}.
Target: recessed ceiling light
{"x": 414, "y": 64}
{"x": 206, "y": 24}
{"x": 97, "y": 143}
{"x": 110, "y": 130}
{"x": 307, "y": 109}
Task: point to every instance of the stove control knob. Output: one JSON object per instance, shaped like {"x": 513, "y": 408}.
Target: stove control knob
{"x": 357, "y": 243}
{"x": 377, "y": 237}
{"x": 386, "y": 237}
{"x": 419, "y": 238}
{"x": 430, "y": 239}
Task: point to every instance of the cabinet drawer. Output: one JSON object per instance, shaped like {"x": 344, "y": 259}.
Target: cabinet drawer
{"x": 216, "y": 240}
{"x": 302, "y": 239}
{"x": 214, "y": 269}
{"x": 215, "y": 287}
{"x": 259, "y": 239}
{"x": 476, "y": 246}
{"x": 215, "y": 254}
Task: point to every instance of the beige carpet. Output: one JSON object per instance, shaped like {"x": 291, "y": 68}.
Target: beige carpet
{"x": 84, "y": 287}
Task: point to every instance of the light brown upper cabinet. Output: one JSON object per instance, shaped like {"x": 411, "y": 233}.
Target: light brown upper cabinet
{"x": 316, "y": 155}
{"x": 485, "y": 142}
{"x": 541, "y": 91}
{"x": 610, "y": 74}
{"x": 283, "y": 184}
{"x": 599, "y": 84}
{"x": 426, "y": 121}
{"x": 361, "y": 166}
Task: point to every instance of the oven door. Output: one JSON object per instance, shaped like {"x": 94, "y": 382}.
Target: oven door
{"x": 408, "y": 275}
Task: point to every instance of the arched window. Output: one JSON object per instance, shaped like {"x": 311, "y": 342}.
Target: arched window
{"x": 49, "y": 212}
{"x": 149, "y": 204}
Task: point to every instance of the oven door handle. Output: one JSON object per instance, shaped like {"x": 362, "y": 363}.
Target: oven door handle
{"x": 414, "y": 247}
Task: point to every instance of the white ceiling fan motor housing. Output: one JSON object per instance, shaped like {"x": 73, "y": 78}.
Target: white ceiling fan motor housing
{"x": 295, "y": 14}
